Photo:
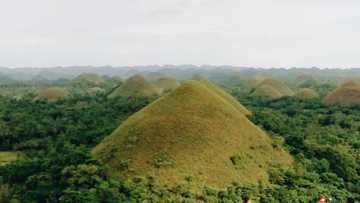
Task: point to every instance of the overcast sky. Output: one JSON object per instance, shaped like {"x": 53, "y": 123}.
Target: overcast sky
{"x": 266, "y": 33}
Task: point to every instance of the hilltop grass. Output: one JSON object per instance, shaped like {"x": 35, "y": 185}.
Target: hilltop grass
{"x": 199, "y": 128}
{"x": 306, "y": 93}
{"x": 348, "y": 94}
{"x": 135, "y": 86}
{"x": 228, "y": 98}
{"x": 52, "y": 94}
{"x": 266, "y": 91}
{"x": 272, "y": 89}
{"x": 90, "y": 79}
{"x": 8, "y": 157}
{"x": 167, "y": 83}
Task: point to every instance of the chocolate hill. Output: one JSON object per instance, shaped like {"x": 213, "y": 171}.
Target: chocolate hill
{"x": 135, "y": 86}
{"x": 306, "y": 93}
{"x": 347, "y": 94}
{"x": 52, "y": 94}
{"x": 272, "y": 89}
{"x": 197, "y": 131}
{"x": 167, "y": 83}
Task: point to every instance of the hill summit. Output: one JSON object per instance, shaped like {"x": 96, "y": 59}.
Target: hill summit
{"x": 89, "y": 79}
{"x": 347, "y": 94}
{"x": 197, "y": 131}
{"x": 167, "y": 83}
{"x": 135, "y": 86}
{"x": 273, "y": 89}
{"x": 306, "y": 93}
{"x": 52, "y": 94}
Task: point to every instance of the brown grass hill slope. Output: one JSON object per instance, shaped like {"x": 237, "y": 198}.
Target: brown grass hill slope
{"x": 272, "y": 89}
{"x": 227, "y": 97}
{"x": 305, "y": 81}
{"x": 266, "y": 91}
{"x": 256, "y": 80}
{"x": 194, "y": 131}
{"x": 135, "y": 86}
{"x": 279, "y": 86}
{"x": 347, "y": 94}
{"x": 167, "y": 83}
{"x": 52, "y": 94}
{"x": 306, "y": 93}
{"x": 89, "y": 79}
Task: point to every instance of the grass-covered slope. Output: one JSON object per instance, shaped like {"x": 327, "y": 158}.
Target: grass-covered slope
{"x": 52, "y": 94}
{"x": 135, "y": 86}
{"x": 227, "y": 97}
{"x": 8, "y": 157}
{"x": 266, "y": 91}
{"x": 273, "y": 89}
{"x": 89, "y": 79}
{"x": 306, "y": 93}
{"x": 279, "y": 86}
{"x": 347, "y": 94}
{"x": 197, "y": 131}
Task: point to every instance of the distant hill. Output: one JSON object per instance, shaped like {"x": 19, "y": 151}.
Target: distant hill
{"x": 306, "y": 93}
{"x": 89, "y": 79}
{"x": 256, "y": 80}
{"x": 52, "y": 94}
{"x": 135, "y": 86}
{"x": 167, "y": 83}
{"x": 305, "y": 81}
{"x": 347, "y": 94}
{"x": 95, "y": 90}
{"x": 196, "y": 132}
{"x": 272, "y": 89}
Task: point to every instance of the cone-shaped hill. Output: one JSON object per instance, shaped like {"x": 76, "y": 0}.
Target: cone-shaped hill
{"x": 135, "y": 86}
{"x": 95, "y": 90}
{"x": 89, "y": 79}
{"x": 196, "y": 131}
{"x": 52, "y": 94}
{"x": 167, "y": 83}
{"x": 305, "y": 81}
{"x": 273, "y": 89}
{"x": 256, "y": 80}
{"x": 306, "y": 93}
{"x": 347, "y": 94}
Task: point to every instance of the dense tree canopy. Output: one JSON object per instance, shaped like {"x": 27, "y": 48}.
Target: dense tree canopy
{"x": 55, "y": 139}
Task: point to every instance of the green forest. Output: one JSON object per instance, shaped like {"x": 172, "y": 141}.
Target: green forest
{"x": 47, "y": 146}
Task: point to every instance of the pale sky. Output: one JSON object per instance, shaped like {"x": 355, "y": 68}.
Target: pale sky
{"x": 262, "y": 33}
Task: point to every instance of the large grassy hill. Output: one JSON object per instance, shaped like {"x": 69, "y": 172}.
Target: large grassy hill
{"x": 347, "y": 94}
{"x": 273, "y": 89}
{"x": 89, "y": 79}
{"x": 52, "y": 94}
{"x": 167, "y": 83}
{"x": 306, "y": 93}
{"x": 196, "y": 132}
{"x": 135, "y": 86}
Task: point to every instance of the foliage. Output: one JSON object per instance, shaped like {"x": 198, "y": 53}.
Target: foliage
{"x": 56, "y": 138}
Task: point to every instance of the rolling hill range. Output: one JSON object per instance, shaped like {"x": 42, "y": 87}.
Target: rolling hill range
{"x": 196, "y": 132}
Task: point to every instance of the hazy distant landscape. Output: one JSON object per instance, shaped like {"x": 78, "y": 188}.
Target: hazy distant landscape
{"x": 179, "y": 134}
{"x": 179, "y": 101}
